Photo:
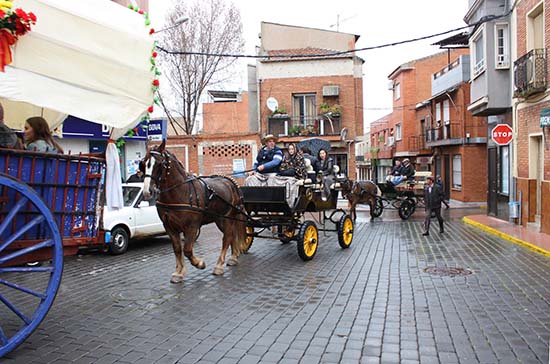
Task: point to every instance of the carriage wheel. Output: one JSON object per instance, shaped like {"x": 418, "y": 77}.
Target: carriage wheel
{"x": 345, "y": 231}
{"x": 308, "y": 238}
{"x": 287, "y": 234}
{"x": 249, "y": 238}
{"x": 26, "y": 293}
{"x": 378, "y": 207}
{"x": 406, "y": 209}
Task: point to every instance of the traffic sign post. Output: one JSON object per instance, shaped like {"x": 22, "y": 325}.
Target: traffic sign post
{"x": 502, "y": 134}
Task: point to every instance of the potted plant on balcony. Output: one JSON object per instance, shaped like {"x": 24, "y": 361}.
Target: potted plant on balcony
{"x": 336, "y": 110}
{"x": 324, "y": 108}
{"x": 294, "y": 130}
{"x": 280, "y": 112}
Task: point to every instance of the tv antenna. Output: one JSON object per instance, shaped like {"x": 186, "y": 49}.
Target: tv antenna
{"x": 338, "y": 21}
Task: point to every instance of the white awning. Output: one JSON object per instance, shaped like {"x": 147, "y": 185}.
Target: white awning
{"x": 87, "y": 58}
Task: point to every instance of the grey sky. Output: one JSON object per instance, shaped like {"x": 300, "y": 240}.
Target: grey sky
{"x": 376, "y": 22}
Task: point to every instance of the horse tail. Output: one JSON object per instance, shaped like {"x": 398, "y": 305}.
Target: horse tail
{"x": 239, "y": 232}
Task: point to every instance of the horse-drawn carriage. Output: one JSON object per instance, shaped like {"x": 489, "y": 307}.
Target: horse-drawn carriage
{"x": 50, "y": 203}
{"x": 405, "y": 197}
{"x": 270, "y": 207}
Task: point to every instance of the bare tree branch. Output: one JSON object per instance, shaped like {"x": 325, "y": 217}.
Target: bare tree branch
{"x": 214, "y": 26}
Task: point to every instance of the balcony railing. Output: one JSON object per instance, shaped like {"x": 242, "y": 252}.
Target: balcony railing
{"x": 305, "y": 126}
{"x": 530, "y": 73}
{"x": 456, "y": 133}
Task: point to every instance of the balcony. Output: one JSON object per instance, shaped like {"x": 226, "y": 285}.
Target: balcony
{"x": 304, "y": 126}
{"x": 451, "y": 75}
{"x": 530, "y": 73}
{"x": 456, "y": 134}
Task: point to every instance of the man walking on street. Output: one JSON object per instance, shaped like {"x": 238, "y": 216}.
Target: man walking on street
{"x": 433, "y": 195}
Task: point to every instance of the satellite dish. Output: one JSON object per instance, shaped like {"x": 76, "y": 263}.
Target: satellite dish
{"x": 344, "y": 134}
{"x": 272, "y": 103}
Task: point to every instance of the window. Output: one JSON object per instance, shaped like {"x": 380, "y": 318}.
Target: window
{"x": 457, "y": 172}
{"x": 504, "y": 170}
{"x": 437, "y": 115}
{"x": 398, "y": 132}
{"x": 477, "y": 49}
{"x": 446, "y": 120}
{"x": 397, "y": 91}
{"x": 502, "y": 50}
{"x": 535, "y": 28}
{"x": 304, "y": 109}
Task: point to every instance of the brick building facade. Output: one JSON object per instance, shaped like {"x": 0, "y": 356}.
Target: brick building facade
{"x": 532, "y": 96}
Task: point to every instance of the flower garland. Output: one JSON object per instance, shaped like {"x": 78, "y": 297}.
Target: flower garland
{"x": 13, "y": 24}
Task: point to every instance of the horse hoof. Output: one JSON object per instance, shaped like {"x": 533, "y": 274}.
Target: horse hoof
{"x": 232, "y": 261}
{"x": 201, "y": 265}
{"x": 218, "y": 271}
{"x": 176, "y": 278}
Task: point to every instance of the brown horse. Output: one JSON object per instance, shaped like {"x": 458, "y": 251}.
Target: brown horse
{"x": 361, "y": 192}
{"x": 187, "y": 202}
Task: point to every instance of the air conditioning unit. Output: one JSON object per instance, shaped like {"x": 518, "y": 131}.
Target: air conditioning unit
{"x": 332, "y": 90}
{"x": 391, "y": 141}
{"x": 390, "y": 85}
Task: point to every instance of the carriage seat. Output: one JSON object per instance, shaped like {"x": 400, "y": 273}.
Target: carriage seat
{"x": 310, "y": 172}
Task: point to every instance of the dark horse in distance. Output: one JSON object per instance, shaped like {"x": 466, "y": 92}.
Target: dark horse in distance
{"x": 187, "y": 202}
{"x": 362, "y": 192}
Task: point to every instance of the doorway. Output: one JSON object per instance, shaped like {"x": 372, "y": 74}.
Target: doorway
{"x": 492, "y": 193}
{"x": 447, "y": 178}
{"x": 536, "y": 167}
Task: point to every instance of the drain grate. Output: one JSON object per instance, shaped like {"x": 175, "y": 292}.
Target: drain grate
{"x": 448, "y": 271}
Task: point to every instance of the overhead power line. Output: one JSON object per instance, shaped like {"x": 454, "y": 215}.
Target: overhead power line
{"x": 336, "y": 53}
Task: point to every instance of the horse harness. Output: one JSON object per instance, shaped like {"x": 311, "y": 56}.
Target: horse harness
{"x": 194, "y": 202}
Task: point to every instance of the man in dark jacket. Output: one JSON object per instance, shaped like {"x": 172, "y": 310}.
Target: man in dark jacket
{"x": 433, "y": 195}
{"x": 270, "y": 156}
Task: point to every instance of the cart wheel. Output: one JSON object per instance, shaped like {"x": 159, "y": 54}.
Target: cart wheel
{"x": 26, "y": 293}
{"x": 287, "y": 234}
{"x": 406, "y": 209}
{"x": 308, "y": 237}
{"x": 345, "y": 231}
{"x": 378, "y": 207}
{"x": 249, "y": 238}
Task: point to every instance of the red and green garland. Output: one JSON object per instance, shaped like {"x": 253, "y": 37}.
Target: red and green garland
{"x": 13, "y": 24}
{"x": 156, "y": 73}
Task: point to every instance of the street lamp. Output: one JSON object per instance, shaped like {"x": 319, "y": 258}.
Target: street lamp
{"x": 177, "y": 22}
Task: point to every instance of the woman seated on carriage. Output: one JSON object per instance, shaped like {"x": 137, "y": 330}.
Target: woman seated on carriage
{"x": 293, "y": 163}
{"x": 325, "y": 166}
{"x": 38, "y": 136}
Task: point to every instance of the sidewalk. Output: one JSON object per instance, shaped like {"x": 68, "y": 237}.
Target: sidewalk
{"x": 529, "y": 238}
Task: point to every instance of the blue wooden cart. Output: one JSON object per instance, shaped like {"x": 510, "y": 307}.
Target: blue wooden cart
{"x": 49, "y": 207}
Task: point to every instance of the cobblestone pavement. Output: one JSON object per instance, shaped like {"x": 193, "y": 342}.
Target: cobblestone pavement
{"x": 371, "y": 303}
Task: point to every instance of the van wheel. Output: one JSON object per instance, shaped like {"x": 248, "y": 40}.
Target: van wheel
{"x": 119, "y": 241}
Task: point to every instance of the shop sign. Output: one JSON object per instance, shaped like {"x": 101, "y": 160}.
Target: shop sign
{"x": 544, "y": 118}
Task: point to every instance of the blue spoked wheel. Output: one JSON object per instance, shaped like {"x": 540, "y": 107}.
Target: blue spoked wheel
{"x": 27, "y": 231}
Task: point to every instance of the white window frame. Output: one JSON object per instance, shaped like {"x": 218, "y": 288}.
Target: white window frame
{"x": 397, "y": 91}
{"x": 478, "y": 66}
{"x": 457, "y": 172}
{"x": 502, "y": 54}
{"x": 438, "y": 115}
{"x": 398, "y": 131}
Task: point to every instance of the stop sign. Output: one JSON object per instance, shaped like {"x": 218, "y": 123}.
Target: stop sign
{"x": 502, "y": 134}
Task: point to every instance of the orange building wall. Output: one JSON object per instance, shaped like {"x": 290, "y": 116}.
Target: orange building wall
{"x": 226, "y": 117}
